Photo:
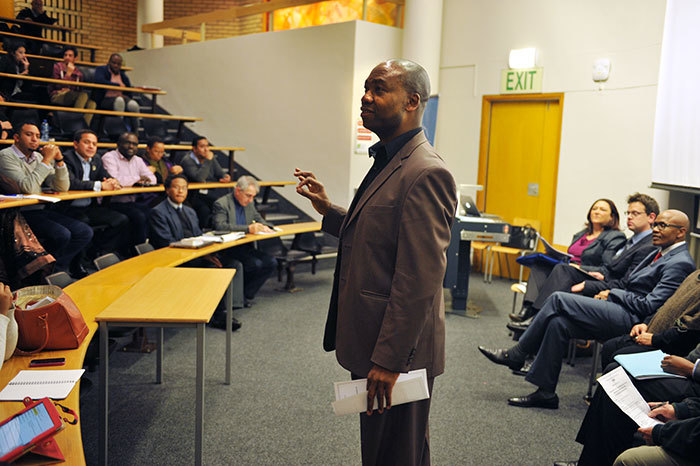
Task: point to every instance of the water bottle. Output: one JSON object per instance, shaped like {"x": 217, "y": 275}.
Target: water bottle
{"x": 45, "y": 131}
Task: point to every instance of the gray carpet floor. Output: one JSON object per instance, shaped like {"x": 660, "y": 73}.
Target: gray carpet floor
{"x": 277, "y": 410}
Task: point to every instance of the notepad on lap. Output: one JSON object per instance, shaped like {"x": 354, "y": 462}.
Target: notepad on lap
{"x": 645, "y": 365}
{"x": 55, "y": 384}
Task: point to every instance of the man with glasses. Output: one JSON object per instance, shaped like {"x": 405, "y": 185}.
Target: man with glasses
{"x": 611, "y": 313}
{"x": 642, "y": 210}
{"x": 130, "y": 171}
{"x": 172, "y": 221}
{"x": 236, "y": 212}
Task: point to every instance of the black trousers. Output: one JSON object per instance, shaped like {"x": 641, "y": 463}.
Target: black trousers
{"x": 606, "y": 431}
{"x": 257, "y": 267}
{"x": 545, "y": 280}
{"x": 111, "y": 238}
{"x": 399, "y": 436}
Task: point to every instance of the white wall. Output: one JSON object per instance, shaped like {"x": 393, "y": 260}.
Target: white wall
{"x": 606, "y": 139}
{"x": 285, "y": 96}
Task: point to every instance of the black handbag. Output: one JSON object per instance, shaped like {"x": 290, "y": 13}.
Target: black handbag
{"x": 521, "y": 237}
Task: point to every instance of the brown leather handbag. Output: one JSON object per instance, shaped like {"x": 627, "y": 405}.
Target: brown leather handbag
{"x": 58, "y": 325}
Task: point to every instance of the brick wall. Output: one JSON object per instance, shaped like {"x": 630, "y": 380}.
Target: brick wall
{"x": 111, "y": 24}
{"x": 218, "y": 29}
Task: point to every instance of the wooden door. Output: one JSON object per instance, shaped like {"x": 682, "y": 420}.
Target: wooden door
{"x": 518, "y": 159}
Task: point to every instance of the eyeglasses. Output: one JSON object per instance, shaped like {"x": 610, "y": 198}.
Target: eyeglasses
{"x": 633, "y": 213}
{"x": 663, "y": 225}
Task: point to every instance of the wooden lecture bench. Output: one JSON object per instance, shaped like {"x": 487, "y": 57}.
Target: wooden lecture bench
{"x": 95, "y": 293}
{"x": 140, "y": 90}
{"x": 91, "y": 48}
{"x": 55, "y": 27}
{"x": 71, "y": 195}
{"x": 77, "y": 62}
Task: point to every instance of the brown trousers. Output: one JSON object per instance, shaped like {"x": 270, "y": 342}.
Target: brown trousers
{"x": 399, "y": 436}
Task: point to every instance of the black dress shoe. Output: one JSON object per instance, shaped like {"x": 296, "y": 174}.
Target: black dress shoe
{"x": 248, "y": 303}
{"x": 536, "y": 400}
{"x": 220, "y": 323}
{"x": 566, "y": 463}
{"x": 523, "y": 314}
{"x": 500, "y": 356}
{"x": 519, "y": 326}
{"x": 523, "y": 370}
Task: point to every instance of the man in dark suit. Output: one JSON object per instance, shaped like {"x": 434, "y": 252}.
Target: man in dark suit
{"x": 171, "y": 221}
{"x": 641, "y": 213}
{"x": 236, "y": 212}
{"x": 86, "y": 173}
{"x": 387, "y": 314}
{"x": 609, "y": 314}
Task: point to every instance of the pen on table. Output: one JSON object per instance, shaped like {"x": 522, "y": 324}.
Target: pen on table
{"x": 659, "y": 405}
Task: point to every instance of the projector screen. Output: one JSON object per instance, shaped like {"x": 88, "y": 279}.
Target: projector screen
{"x": 676, "y": 155}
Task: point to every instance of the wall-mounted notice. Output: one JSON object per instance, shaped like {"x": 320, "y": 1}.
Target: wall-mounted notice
{"x": 364, "y": 138}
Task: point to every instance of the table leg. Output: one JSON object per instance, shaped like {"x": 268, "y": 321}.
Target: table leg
{"x": 199, "y": 408}
{"x": 159, "y": 356}
{"x": 104, "y": 393}
{"x": 229, "y": 324}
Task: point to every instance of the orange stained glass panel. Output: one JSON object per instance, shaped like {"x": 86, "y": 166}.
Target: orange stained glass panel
{"x": 334, "y": 11}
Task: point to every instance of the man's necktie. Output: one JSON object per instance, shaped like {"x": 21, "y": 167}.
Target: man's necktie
{"x": 657, "y": 257}
{"x": 186, "y": 227}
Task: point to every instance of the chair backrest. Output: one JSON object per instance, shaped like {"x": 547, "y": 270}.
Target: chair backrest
{"x": 60, "y": 279}
{"x": 114, "y": 127}
{"x": 67, "y": 123}
{"x": 274, "y": 247}
{"x": 143, "y": 248}
{"x": 106, "y": 260}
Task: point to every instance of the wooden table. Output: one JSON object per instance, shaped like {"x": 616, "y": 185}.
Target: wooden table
{"x": 77, "y": 45}
{"x": 93, "y": 294}
{"x": 167, "y": 297}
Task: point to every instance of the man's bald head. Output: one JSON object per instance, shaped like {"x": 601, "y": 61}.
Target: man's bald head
{"x": 670, "y": 227}
{"x": 413, "y": 78}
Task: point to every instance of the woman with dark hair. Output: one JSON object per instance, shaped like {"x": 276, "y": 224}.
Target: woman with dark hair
{"x": 591, "y": 248}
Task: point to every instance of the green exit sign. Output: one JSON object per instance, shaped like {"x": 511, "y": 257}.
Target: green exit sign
{"x": 521, "y": 81}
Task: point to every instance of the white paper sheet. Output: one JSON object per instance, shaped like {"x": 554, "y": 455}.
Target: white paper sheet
{"x": 351, "y": 395}
{"x": 622, "y": 391}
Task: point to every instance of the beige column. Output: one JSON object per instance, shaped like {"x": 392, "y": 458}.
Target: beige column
{"x": 148, "y": 11}
{"x": 422, "y": 36}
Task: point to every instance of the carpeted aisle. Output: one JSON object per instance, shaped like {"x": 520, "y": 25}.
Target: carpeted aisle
{"x": 277, "y": 410}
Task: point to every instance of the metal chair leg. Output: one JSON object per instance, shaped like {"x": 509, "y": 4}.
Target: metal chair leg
{"x": 597, "y": 347}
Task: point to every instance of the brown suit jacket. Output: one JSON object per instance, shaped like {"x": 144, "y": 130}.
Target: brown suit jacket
{"x": 389, "y": 308}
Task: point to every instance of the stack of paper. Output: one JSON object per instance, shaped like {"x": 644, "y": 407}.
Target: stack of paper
{"x": 351, "y": 396}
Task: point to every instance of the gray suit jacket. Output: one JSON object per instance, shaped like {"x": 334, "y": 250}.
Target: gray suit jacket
{"x": 388, "y": 308}
{"x": 224, "y": 215}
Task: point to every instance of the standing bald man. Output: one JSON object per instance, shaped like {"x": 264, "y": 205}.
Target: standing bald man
{"x": 387, "y": 313}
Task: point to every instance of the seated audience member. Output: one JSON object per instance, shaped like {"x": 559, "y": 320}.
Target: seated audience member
{"x": 36, "y": 14}
{"x": 641, "y": 213}
{"x": 593, "y": 248}
{"x": 171, "y": 221}
{"x": 63, "y": 237}
{"x": 88, "y": 174}
{"x": 614, "y": 312}
{"x": 15, "y": 62}
{"x": 70, "y": 96}
{"x": 119, "y": 101}
{"x": 156, "y": 161}
{"x": 200, "y": 166}
{"x": 675, "y": 442}
{"x": 674, "y": 328}
{"x": 8, "y": 328}
{"x": 130, "y": 171}
{"x": 23, "y": 260}
{"x": 236, "y": 212}
{"x": 606, "y": 431}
